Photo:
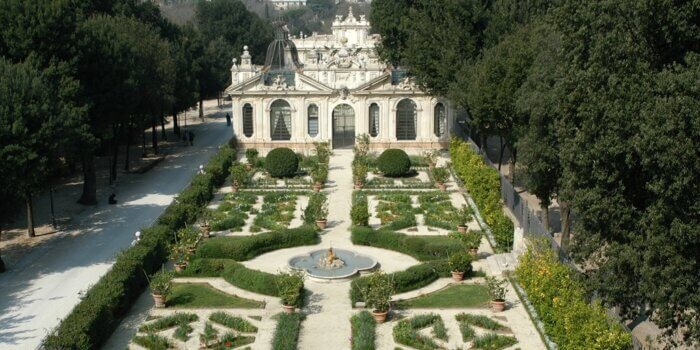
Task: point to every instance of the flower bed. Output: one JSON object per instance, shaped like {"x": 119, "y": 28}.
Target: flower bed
{"x": 363, "y": 331}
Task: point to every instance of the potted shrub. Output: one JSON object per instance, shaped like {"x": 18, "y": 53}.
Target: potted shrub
{"x": 471, "y": 241}
{"x": 290, "y": 286}
{"x": 323, "y": 152}
{"x": 251, "y": 156}
{"x": 160, "y": 284}
{"x": 441, "y": 175}
{"x": 378, "y": 294}
{"x": 322, "y": 216}
{"x": 319, "y": 175}
{"x": 361, "y": 147}
{"x": 359, "y": 174}
{"x": 464, "y": 215}
{"x": 239, "y": 176}
{"x": 206, "y": 226}
{"x": 460, "y": 264}
{"x": 497, "y": 292}
{"x": 188, "y": 237}
{"x": 180, "y": 255}
{"x": 394, "y": 163}
{"x": 430, "y": 158}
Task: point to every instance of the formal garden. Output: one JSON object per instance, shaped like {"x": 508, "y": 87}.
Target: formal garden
{"x": 288, "y": 250}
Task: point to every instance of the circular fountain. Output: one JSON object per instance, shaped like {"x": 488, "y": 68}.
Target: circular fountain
{"x": 332, "y": 264}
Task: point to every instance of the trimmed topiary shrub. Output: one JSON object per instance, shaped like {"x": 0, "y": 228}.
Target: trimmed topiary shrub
{"x": 282, "y": 162}
{"x": 248, "y": 247}
{"x": 394, "y": 163}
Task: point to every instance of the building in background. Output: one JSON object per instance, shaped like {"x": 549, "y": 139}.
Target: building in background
{"x": 333, "y": 88}
{"x": 287, "y": 4}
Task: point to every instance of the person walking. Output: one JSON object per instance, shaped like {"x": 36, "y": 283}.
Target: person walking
{"x": 190, "y": 135}
{"x": 228, "y": 119}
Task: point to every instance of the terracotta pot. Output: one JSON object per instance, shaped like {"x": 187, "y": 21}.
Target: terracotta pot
{"x": 180, "y": 267}
{"x": 358, "y": 185}
{"x": 498, "y": 305}
{"x": 289, "y": 308}
{"x": 457, "y": 276}
{"x": 473, "y": 251}
{"x": 159, "y": 300}
{"x": 206, "y": 230}
{"x": 317, "y": 187}
{"x": 234, "y": 188}
{"x": 462, "y": 228}
{"x": 379, "y": 316}
{"x": 248, "y": 166}
{"x": 322, "y": 224}
{"x": 442, "y": 186}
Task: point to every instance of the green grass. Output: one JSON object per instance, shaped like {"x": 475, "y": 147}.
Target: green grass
{"x": 459, "y": 296}
{"x": 152, "y": 342}
{"x": 233, "y": 322}
{"x": 171, "y": 321}
{"x": 201, "y": 295}
{"x": 492, "y": 341}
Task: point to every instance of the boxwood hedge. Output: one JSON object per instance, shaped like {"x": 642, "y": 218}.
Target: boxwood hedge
{"x": 414, "y": 277}
{"x": 394, "y": 163}
{"x": 94, "y": 319}
{"x": 248, "y": 247}
{"x": 423, "y": 248}
{"x": 282, "y": 162}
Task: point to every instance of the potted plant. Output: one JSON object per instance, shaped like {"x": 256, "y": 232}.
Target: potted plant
{"x": 471, "y": 241}
{"x": 497, "y": 292}
{"x": 460, "y": 264}
{"x": 441, "y": 175}
{"x": 430, "y": 158}
{"x": 319, "y": 175}
{"x": 160, "y": 283}
{"x": 180, "y": 255}
{"x": 206, "y": 219}
{"x": 323, "y": 152}
{"x": 359, "y": 174}
{"x": 239, "y": 176}
{"x": 378, "y": 294}
{"x": 251, "y": 156}
{"x": 361, "y": 147}
{"x": 322, "y": 216}
{"x": 464, "y": 215}
{"x": 290, "y": 286}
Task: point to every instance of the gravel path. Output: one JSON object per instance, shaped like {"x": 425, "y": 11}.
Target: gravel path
{"x": 47, "y": 283}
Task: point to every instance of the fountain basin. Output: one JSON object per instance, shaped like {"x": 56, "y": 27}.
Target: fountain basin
{"x": 353, "y": 263}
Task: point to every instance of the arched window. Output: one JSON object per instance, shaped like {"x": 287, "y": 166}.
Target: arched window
{"x": 439, "y": 120}
{"x": 373, "y": 120}
{"x": 280, "y": 121}
{"x": 247, "y": 120}
{"x": 406, "y": 120}
{"x": 313, "y": 120}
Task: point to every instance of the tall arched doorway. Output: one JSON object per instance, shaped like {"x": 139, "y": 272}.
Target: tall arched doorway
{"x": 343, "y": 126}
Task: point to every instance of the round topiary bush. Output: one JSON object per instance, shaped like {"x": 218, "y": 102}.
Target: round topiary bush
{"x": 282, "y": 162}
{"x": 394, "y": 163}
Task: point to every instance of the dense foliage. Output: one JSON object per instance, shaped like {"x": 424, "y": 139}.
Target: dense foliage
{"x": 394, "y": 163}
{"x": 561, "y": 303}
{"x": 363, "y": 331}
{"x": 247, "y": 247}
{"x": 412, "y": 278}
{"x": 484, "y": 186}
{"x": 94, "y": 319}
{"x": 282, "y": 162}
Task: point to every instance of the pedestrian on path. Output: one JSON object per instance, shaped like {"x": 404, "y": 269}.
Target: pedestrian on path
{"x": 190, "y": 135}
{"x": 228, "y": 119}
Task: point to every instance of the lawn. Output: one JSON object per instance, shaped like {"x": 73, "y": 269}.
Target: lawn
{"x": 202, "y": 295}
{"x": 459, "y": 296}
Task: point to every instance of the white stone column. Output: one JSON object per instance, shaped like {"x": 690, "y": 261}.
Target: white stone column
{"x": 262, "y": 117}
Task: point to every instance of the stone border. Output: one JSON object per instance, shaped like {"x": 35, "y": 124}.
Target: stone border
{"x": 332, "y": 278}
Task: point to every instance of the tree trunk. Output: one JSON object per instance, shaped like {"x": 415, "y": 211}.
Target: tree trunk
{"x": 162, "y": 127}
{"x": 129, "y": 131}
{"x": 513, "y": 160}
{"x": 500, "y": 154}
{"x": 176, "y": 128}
{"x": 30, "y": 216}
{"x": 565, "y": 211}
{"x": 89, "y": 195}
{"x": 115, "y": 153}
{"x": 154, "y": 136}
{"x": 545, "y": 215}
{"x": 144, "y": 154}
{"x": 201, "y": 108}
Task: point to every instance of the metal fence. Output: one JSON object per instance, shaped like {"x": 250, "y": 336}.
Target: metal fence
{"x": 526, "y": 217}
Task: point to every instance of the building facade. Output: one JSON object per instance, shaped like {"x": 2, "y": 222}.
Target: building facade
{"x": 287, "y": 4}
{"x": 333, "y": 88}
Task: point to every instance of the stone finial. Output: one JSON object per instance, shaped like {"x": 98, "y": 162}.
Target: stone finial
{"x": 245, "y": 57}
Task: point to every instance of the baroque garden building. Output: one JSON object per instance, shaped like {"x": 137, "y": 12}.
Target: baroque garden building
{"x": 332, "y": 88}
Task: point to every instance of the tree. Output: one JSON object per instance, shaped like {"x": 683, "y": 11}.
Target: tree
{"x": 35, "y": 124}
{"x": 628, "y": 115}
{"x": 539, "y": 145}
